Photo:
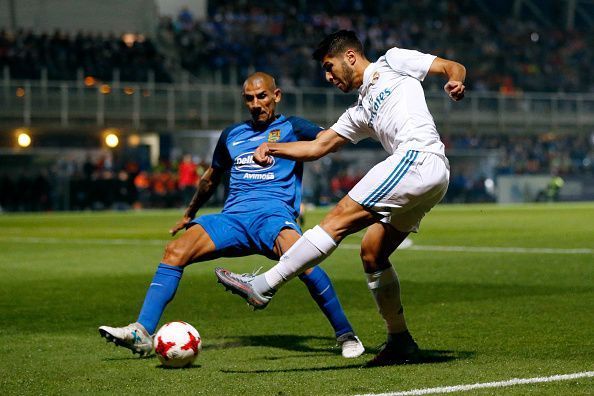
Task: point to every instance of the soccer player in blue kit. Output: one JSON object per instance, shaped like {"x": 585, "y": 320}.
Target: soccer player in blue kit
{"x": 259, "y": 217}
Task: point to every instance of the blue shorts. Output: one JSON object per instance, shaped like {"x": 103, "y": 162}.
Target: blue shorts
{"x": 243, "y": 234}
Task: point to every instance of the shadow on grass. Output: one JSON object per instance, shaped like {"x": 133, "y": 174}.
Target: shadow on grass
{"x": 297, "y": 343}
{"x": 289, "y": 342}
{"x": 149, "y": 357}
{"x": 293, "y": 370}
{"x": 429, "y": 356}
{"x": 133, "y": 357}
{"x": 425, "y": 357}
{"x": 190, "y": 367}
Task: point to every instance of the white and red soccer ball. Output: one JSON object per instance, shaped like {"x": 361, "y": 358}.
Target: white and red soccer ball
{"x": 177, "y": 344}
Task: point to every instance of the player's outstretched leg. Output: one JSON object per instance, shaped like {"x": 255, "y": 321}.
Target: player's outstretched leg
{"x": 309, "y": 250}
{"x": 137, "y": 336}
{"x": 134, "y": 337}
{"x": 320, "y": 287}
{"x": 245, "y": 286}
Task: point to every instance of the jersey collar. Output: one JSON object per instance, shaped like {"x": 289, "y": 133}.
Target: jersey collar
{"x": 367, "y": 77}
{"x": 279, "y": 119}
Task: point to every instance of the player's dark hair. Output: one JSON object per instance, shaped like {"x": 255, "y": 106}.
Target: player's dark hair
{"x": 336, "y": 43}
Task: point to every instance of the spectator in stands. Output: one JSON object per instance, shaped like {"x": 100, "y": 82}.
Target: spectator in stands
{"x": 123, "y": 195}
{"x": 142, "y": 183}
{"x": 185, "y": 19}
{"x": 188, "y": 178}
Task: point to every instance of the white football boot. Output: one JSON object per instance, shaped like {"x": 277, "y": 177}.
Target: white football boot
{"x": 134, "y": 337}
{"x": 351, "y": 346}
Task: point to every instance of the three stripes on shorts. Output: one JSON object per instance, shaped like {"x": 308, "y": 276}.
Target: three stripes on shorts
{"x": 392, "y": 180}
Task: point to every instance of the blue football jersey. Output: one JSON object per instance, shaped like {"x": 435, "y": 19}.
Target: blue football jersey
{"x": 252, "y": 187}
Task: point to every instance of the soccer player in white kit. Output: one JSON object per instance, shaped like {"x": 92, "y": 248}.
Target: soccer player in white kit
{"x": 392, "y": 198}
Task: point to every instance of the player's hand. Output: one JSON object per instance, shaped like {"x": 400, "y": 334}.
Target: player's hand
{"x": 455, "y": 90}
{"x": 180, "y": 225}
{"x": 261, "y": 155}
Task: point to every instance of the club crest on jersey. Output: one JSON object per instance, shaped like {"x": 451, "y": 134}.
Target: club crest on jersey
{"x": 375, "y": 77}
{"x": 274, "y": 136}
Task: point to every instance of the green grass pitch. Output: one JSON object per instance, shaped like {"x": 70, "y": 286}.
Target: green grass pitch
{"x": 493, "y": 292}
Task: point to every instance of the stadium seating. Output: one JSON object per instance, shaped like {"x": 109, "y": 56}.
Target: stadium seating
{"x": 509, "y": 55}
{"x": 502, "y": 53}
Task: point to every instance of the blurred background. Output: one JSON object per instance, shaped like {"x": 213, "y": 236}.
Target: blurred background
{"x": 118, "y": 105}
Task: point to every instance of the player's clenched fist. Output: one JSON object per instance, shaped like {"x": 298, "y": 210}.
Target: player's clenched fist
{"x": 455, "y": 89}
{"x": 261, "y": 156}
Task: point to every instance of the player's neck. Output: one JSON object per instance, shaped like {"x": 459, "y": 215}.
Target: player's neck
{"x": 360, "y": 67}
{"x": 261, "y": 126}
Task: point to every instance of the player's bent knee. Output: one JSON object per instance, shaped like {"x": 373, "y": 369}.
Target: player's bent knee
{"x": 337, "y": 226}
{"x": 366, "y": 258}
{"x": 371, "y": 261}
{"x": 346, "y": 218}
{"x": 175, "y": 255}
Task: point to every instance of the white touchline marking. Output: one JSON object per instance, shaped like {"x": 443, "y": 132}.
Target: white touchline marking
{"x": 348, "y": 246}
{"x": 82, "y": 241}
{"x": 499, "y": 384}
{"x": 485, "y": 249}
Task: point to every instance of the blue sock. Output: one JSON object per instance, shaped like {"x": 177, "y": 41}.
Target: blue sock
{"x": 160, "y": 292}
{"x": 321, "y": 289}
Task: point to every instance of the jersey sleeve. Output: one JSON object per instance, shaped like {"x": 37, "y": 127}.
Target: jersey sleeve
{"x": 351, "y": 125}
{"x": 221, "y": 158}
{"x": 410, "y": 62}
{"x": 304, "y": 129}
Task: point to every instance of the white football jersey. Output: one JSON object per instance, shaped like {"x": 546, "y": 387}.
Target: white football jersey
{"x": 391, "y": 107}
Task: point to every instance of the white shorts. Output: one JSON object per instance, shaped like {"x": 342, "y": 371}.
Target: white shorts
{"x": 404, "y": 187}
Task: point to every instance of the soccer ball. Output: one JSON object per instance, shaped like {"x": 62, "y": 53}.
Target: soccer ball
{"x": 177, "y": 344}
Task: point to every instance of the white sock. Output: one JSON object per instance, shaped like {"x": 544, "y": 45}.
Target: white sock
{"x": 385, "y": 288}
{"x": 309, "y": 250}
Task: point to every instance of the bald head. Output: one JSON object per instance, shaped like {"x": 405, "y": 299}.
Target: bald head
{"x": 261, "y": 97}
{"x": 262, "y": 79}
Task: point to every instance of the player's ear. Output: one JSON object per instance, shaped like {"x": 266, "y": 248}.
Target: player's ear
{"x": 350, "y": 57}
{"x": 277, "y": 95}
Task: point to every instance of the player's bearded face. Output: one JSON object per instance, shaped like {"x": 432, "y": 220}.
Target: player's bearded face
{"x": 347, "y": 77}
{"x": 263, "y": 111}
{"x": 261, "y": 103}
{"x": 339, "y": 73}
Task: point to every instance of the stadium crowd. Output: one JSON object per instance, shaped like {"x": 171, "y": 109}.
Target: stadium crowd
{"x": 62, "y": 55}
{"x": 101, "y": 185}
{"x": 532, "y": 154}
{"x": 501, "y": 53}
{"x": 544, "y": 154}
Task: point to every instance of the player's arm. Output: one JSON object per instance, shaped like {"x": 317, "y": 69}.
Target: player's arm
{"x": 206, "y": 187}
{"x": 455, "y": 74}
{"x": 326, "y": 142}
